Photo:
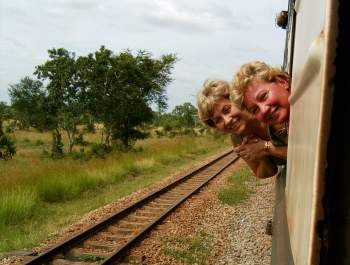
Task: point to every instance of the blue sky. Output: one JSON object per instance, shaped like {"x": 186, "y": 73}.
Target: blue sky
{"x": 211, "y": 38}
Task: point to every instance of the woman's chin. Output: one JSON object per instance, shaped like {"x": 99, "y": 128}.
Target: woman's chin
{"x": 282, "y": 117}
{"x": 240, "y": 130}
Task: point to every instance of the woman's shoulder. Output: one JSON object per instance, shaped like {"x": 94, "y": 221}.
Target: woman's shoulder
{"x": 278, "y": 135}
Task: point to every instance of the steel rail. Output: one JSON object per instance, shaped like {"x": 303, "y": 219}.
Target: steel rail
{"x": 95, "y": 228}
{"x": 119, "y": 252}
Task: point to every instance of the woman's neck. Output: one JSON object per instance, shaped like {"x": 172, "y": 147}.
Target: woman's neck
{"x": 257, "y": 128}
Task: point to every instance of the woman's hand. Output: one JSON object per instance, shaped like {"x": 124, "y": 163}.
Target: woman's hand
{"x": 251, "y": 149}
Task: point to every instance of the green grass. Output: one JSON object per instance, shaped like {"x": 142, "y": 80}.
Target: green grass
{"x": 238, "y": 189}
{"x": 190, "y": 250}
{"x": 17, "y": 205}
{"x": 39, "y": 195}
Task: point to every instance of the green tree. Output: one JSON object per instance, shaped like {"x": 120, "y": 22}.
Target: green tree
{"x": 66, "y": 90}
{"x": 186, "y": 114}
{"x": 122, "y": 88}
{"x": 29, "y": 102}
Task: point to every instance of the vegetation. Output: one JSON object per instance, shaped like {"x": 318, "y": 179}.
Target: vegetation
{"x": 122, "y": 88}
{"x": 116, "y": 90}
{"x": 29, "y": 104}
{"x": 79, "y": 131}
{"x": 38, "y": 192}
{"x": 238, "y": 189}
{"x": 7, "y": 146}
{"x": 190, "y": 250}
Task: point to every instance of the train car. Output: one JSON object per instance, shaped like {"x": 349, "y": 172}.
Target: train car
{"x": 312, "y": 213}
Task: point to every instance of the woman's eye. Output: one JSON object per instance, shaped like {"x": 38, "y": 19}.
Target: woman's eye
{"x": 263, "y": 96}
{"x": 254, "y": 110}
{"x": 226, "y": 109}
{"x": 217, "y": 121}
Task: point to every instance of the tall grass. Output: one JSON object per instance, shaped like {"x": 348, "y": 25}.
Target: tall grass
{"x": 32, "y": 185}
{"x": 17, "y": 205}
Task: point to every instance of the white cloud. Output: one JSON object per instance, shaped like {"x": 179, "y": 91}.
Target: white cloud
{"x": 211, "y": 37}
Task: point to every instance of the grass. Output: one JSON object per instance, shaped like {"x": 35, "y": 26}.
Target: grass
{"x": 238, "y": 189}
{"x": 190, "y": 250}
{"x": 40, "y": 195}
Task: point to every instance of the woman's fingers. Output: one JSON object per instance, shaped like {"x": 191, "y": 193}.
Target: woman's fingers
{"x": 239, "y": 149}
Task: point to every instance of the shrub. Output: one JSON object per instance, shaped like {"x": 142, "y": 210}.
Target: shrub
{"x": 7, "y": 147}
{"x": 100, "y": 150}
{"x": 80, "y": 140}
{"x": 90, "y": 128}
{"x": 159, "y": 133}
{"x": 11, "y": 127}
{"x": 39, "y": 142}
{"x": 81, "y": 155}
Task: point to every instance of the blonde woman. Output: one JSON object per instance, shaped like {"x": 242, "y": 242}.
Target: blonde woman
{"x": 216, "y": 110}
{"x": 263, "y": 91}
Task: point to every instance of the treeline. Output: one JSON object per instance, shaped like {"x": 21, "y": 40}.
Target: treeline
{"x": 115, "y": 90}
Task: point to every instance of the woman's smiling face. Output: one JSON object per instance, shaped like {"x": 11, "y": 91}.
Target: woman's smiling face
{"x": 268, "y": 101}
{"x": 228, "y": 118}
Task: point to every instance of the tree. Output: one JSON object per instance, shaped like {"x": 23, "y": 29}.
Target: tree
{"x": 122, "y": 88}
{"x": 186, "y": 114}
{"x": 66, "y": 90}
{"x": 29, "y": 102}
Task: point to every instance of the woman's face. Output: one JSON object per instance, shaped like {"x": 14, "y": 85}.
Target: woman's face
{"x": 268, "y": 101}
{"x": 228, "y": 118}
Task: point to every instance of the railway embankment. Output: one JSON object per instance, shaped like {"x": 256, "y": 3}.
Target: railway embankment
{"x": 201, "y": 231}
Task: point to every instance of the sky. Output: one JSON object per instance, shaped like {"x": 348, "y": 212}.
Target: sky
{"x": 211, "y": 38}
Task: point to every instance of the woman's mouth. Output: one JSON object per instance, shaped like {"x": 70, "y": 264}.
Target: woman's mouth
{"x": 234, "y": 124}
{"x": 273, "y": 114}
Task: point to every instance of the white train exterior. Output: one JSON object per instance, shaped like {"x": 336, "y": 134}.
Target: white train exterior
{"x": 312, "y": 211}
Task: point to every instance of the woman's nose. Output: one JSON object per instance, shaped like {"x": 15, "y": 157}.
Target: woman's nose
{"x": 264, "y": 111}
{"x": 226, "y": 120}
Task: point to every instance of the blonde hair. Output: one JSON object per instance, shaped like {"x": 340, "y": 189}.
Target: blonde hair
{"x": 249, "y": 72}
{"x": 211, "y": 92}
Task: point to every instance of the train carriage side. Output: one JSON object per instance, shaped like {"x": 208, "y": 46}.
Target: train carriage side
{"x": 313, "y": 206}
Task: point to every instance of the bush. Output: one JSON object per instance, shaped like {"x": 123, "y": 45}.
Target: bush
{"x": 201, "y": 131}
{"x": 39, "y": 142}
{"x": 7, "y": 147}
{"x": 81, "y": 155}
{"x": 159, "y": 133}
{"x": 79, "y": 140}
{"x": 172, "y": 134}
{"x": 90, "y": 128}
{"x": 100, "y": 150}
{"x": 188, "y": 131}
{"x": 11, "y": 127}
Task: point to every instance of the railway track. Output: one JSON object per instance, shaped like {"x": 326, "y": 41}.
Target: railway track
{"x": 107, "y": 241}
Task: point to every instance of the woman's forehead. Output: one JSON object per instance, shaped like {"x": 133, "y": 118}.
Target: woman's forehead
{"x": 254, "y": 88}
{"x": 256, "y": 84}
{"x": 219, "y": 104}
